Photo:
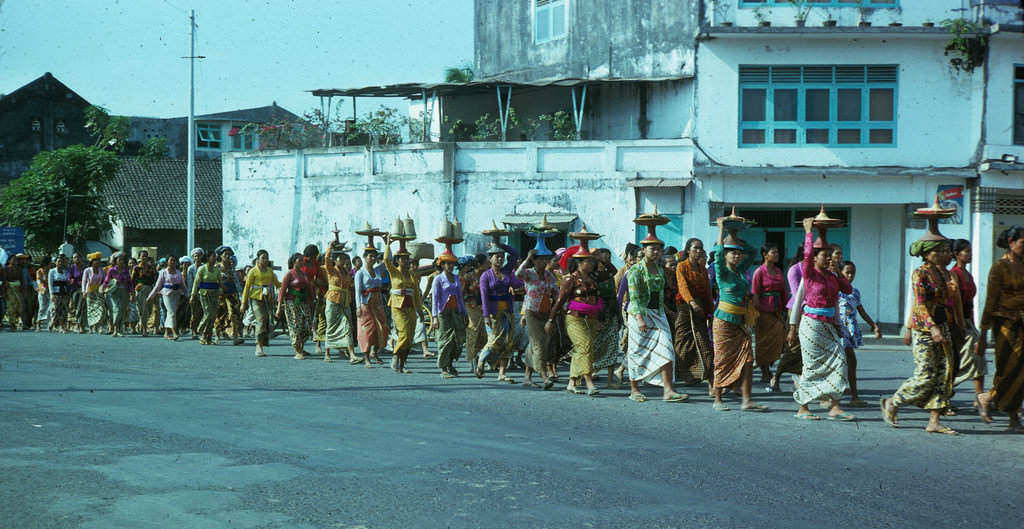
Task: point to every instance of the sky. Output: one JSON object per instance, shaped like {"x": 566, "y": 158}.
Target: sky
{"x": 125, "y": 55}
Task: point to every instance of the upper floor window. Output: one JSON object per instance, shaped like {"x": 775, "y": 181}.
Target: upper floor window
{"x": 208, "y": 136}
{"x": 241, "y": 141}
{"x": 837, "y": 106}
{"x": 550, "y": 20}
{"x": 822, "y": 3}
{"x": 1018, "y": 104}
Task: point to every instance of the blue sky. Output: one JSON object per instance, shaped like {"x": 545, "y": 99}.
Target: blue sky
{"x": 125, "y": 55}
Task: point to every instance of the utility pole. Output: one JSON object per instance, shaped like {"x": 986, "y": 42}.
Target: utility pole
{"x": 191, "y": 207}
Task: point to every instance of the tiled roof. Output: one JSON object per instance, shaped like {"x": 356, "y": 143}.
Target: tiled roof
{"x": 153, "y": 195}
{"x": 265, "y": 114}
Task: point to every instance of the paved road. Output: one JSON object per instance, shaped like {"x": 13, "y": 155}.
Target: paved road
{"x": 97, "y": 432}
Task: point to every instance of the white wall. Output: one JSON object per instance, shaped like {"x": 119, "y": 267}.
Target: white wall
{"x": 908, "y": 13}
{"x": 928, "y": 93}
{"x": 1005, "y": 51}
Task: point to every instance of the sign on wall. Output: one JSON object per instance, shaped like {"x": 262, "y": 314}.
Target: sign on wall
{"x": 952, "y": 197}
{"x": 12, "y": 239}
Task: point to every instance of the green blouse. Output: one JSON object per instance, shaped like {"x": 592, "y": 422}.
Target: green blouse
{"x": 733, "y": 286}
{"x": 206, "y": 274}
{"x": 644, "y": 286}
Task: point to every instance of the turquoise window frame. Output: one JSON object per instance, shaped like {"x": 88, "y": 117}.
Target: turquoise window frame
{"x": 1018, "y": 139}
{"x": 878, "y": 4}
{"x": 801, "y": 126}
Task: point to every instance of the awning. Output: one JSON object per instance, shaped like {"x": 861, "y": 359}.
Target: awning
{"x": 658, "y": 182}
{"x": 416, "y": 90}
{"x": 559, "y": 220}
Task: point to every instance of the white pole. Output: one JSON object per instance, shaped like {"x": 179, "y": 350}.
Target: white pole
{"x": 191, "y": 208}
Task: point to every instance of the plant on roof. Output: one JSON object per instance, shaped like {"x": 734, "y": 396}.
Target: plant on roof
{"x": 802, "y": 9}
{"x": 967, "y": 45}
{"x": 563, "y": 128}
{"x": 458, "y": 74}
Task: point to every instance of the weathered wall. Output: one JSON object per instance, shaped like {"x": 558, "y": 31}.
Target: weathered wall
{"x": 282, "y": 201}
{"x": 622, "y": 38}
{"x": 907, "y": 12}
{"x": 1006, "y": 51}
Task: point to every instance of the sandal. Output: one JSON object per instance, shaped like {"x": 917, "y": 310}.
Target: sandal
{"x": 889, "y": 416}
{"x": 638, "y": 397}
{"x": 530, "y": 384}
{"x": 944, "y": 430}
{"x": 507, "y": 379}
{"x": 592, "y": 392}
{"x": 807, "y": 416}
{"x": 982, "y": 409}
{"x": 843, "y": 417}
{"x": 676, "y": 397}
{"x": 760, "y": 408}
{"x": 479, "y": 370}
{"x": 574, "y": 391}
{"x": 720, "y": 406}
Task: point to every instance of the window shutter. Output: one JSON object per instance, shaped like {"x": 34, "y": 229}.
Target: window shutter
{"x": 880, "y": 74}
{"x": 753, "y": 74}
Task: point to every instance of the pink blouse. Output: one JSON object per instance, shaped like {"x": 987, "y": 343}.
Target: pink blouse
{"x": 769, "y": 289}
{"x": 821, "y": 288}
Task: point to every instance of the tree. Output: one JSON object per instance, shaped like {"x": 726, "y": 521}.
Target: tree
{"x": 62, "y": 184}
{"x": 110, "y": 131}
{"x": 460, "y": 74}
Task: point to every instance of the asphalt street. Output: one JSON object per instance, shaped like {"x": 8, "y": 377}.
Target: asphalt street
{"x": 100, "y": 432}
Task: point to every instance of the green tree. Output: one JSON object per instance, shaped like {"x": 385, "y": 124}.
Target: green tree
{"x": 69, "y": 179}
{"x": 110, "y": 131}
{"x": 461, "y": 74}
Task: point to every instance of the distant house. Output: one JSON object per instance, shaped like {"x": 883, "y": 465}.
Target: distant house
{"x": 216, "y": 133}
{"x": 40, "y": 116}
{"x": 148, "y": 201}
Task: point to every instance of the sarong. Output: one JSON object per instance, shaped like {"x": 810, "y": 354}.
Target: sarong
{"x": 43, "y": 317}
{"x": 300, "y": 321}
{"x": 649, "y": 352}
{"x": 1008, "y": 382}
{"x": 261, "y": 317}
{"x": 824, "y": 362}
{"x": 770, "y": 336}
{"x": 405, "y": 326}
{"x": 118, "y": 307}
{"x": 606, "y": 339}
{"x": 451, "y": 336}
{"x": 581, "y": 331}
{"x": 733, "y": 352}
{"x": 196, "y": 310}
{"x": 208, "y": 299}
{"x": 693, "y": 352}
{"x": 59, "y": 307}
{"x": 540, "y": 352}
{"x": 931, "y": 385}
{"x": 95, "y": 309}
{"x": 476, "y": 336}
{"x": 320, "y": 320}
{"x": 229, "y": 315}
{"x": 971, "y": 366}
{"x": 76, "y": 308}
{"x": 373, "y": 326}
{"x": 143, "y": 306}
{"x": 499, "y": 338}
{"x": 171, "y": 303}
{"x": 792, "y": 360}
{"x": 337, "y": 332}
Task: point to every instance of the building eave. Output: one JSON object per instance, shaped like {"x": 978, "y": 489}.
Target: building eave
{"x": 872, "y": 32}
{"x": 831, "y": 172}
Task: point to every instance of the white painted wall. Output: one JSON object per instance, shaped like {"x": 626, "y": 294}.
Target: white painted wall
{"x": 907, "y": 12}
{"x": 927, "y": 92}
{"x": 1005, "y": 51}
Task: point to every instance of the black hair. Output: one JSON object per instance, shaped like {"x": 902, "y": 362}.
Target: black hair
{"x": 850, "y": 264}
{"x": 768, "y": 247}
{"x": 44, "y": 261}
{"x": 631, "y": 250}
{"x": 597, "y": 251}
{"x": 1009, "y": 235}
{"x": 481, "y": 258}
{"x": 671, "y": 250}
{"x": 798, "y": 255}
{"x": 689, "y": 244}
{"x": 262, "y": 252}
{"x": 816, "y": 251}
{"x": 311, "y": 251}
{"x": 292, "y": 259}
{"x": 960, "y": 245}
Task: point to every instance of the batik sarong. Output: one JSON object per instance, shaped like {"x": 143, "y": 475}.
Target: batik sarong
{"x": 971, "y": 366}
{"x": 1008, "y": 382}
{"x": 581, "y": 331}
{"x": 300, "y": 322}
{"x": 95, "y": 309}
{"x": 261, "y": 317}
{"x": 320, "y": 320}
{"x": 824, "y": 362}
{"x": 499, "y": 338}
{"x": 476, "y": 336}
{"x": 451, "y": 336}
{"x": 143, "y": 307}
{"x": 540, "y": 352}
{"x": 693, "y": 352}
{"x": 208, "y": 299}
{"x": 118, "y": 307}
{"x": 373, "y": 326}
{"x": 733, "y": 352}
{"x": 606, "y": 339}
{"x": 59, "y": 309}
{"x": 650, "y": 351}
{"x": 337, "y": 332}
{"x": 229, "y": 315}
{"x": 769, "y": 337}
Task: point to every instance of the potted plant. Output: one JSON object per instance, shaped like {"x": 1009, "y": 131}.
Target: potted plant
{"x": 830, "y": 19}
{"x": 802, "y": 10}
{"x": 762, "y": 18}
{"x": 928, "y": 24}
{"x": 721, "y": 12}
{"x": 865, "y": 14}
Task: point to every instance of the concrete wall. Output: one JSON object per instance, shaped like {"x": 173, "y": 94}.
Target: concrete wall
{"x": 282, "y": 200}
{"x": 621, "y": 38}
{"x": 906, "y": 12}
{"x": 1005, "y": 51}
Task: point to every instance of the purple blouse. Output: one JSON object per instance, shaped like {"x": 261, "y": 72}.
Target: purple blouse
{"x": 492, "y": 289}
{"x": 122, "y": 277}
{"x": 442, "y": 289}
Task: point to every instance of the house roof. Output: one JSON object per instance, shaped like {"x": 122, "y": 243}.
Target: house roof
{"x": 265, "y": 114}
{"x": 153, "y": 195}
{"x": 44, "y": 82}
{"x": 416, "y": 90}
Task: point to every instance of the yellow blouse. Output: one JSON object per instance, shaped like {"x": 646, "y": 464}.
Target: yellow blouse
{"x": 257, "y": 282}
{"x": 402, "y": 284}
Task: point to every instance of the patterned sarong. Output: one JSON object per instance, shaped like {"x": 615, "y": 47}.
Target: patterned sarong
{"x": 95, "y": 309}
{"x": 229, "y": 315}
{"x": 931, "y": 385}
{"x": 476, "y": 336}
{"x": 208, "y": 299}
{"x": 770, "y": 336}
{"x": 971, "y": 366}
{"x": 373, "y": 326}
{"x": 824, "y": 362}
{"x": 733, "y": 352}
{"x": 648, "y": 352}
{"x": 451, "y": 335}
{"x": 693, "y": 352}
{"x": 320, "y": 320}
{"x": 540, "y": 352}
{"x": 118, "y": 307}
{"x": 581, "y": 332}
{"x": 1008, "y": 382}
{"x": 300, "y": 321}
{"x": 337, "y": 332}
{"x": 499, "y": 338}
{"x": 59, "y": 307}
{"x": 261, "y": 317}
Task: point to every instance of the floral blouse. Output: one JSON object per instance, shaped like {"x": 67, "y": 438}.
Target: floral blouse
{"x": 935, "y": 299}
{"x": 646, "y": 289}
{"x": 848, "y": 304}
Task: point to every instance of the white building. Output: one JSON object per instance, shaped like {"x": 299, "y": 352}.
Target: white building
{"x": 709, "y": 106}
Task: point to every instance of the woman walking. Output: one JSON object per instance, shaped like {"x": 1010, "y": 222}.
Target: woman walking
{"x": 405, "y": 301}
{"x": 95, "y": 306}
{"x": 259, "y": 293}
{"x": 337, "y": 303}
{"x": 195, "y": 310}
{"x": 76, "y": 308}
{"x": 650, "y": 356}
{"x": 42, "y": 273}
{"x": 371, "y": 314}
{"x": 449, "y": 315}
{"x": 295, "y": 304}
{"x": 849, "y": 307}
{"x": 206, "y": 294}
{"x": 119, "y": 290}
{"x": 144, "y": 277}
{"x": 229, "y": 315}
{"x": 735, "y": 318}
{"x": 971, "y": 360}
{"x": 1004, "y": 314}
{"x": 607, "y": 352}
{"x": 59, "y": 287}
{"x": 821, "y": 342}
{"x": 170, "y": 286}
{"x": 934, "y": 314}
{"x": 768, "y": 287}
{"x": 496, "y": 304}
{"x": 541, "y": 290}
{"x": 476, "y": 335}
{"x": 694, "y": 307}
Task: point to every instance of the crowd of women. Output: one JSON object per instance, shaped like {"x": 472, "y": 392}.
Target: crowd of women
{"x": 666, "y": 318}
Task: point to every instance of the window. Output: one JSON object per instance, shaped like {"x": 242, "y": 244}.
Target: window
{"x": 208, "y": 136}
{"x": 1018, "y": 104}
{"x": 818, "y": 105}
{"x": 241, "y": 141}
{"x": 550, "y": 20}
{"x": 823, "y": 3}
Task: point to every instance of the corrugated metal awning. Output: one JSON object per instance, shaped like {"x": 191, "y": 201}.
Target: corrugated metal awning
{"x": 558, "y": 220}
{"x": 416, "y": 90}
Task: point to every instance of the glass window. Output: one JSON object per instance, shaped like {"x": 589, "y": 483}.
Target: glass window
{"x": 1018, "y": 105}
{"x": 208, "y": 136}
{"x": 754, "y": 104}
{"x": 816, "y": 102}
{"x": 882, "y": 104}
{"x": 753, "y": 136}
{"x": 785, "y": 104}
{"x": 550, "y": 20}
{"x": 848, "y": 105}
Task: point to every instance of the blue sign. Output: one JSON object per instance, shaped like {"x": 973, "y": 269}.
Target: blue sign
{"x": 12, "y": 240}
